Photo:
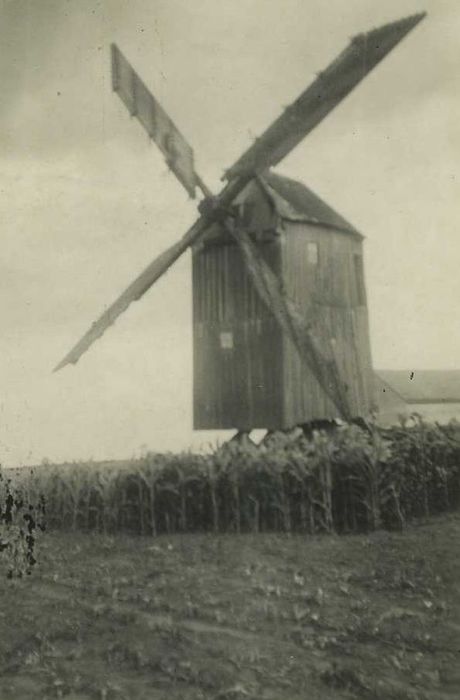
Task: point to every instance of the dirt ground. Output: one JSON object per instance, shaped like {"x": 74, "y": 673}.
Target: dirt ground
{"x": 237, "y": 617}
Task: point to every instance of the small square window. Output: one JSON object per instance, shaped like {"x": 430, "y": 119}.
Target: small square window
{"x": 247, "y": 213}
{"x": 226, "y": 340}
{"x": 312, "y": 253}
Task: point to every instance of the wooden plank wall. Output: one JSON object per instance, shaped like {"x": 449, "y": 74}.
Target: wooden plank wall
{"x": 329, "y": 291}
{"x": 260, "y": 382}
{"x": 238, "y": 387}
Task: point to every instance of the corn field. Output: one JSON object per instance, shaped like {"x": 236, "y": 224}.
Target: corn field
{"x": 348, "y": 480}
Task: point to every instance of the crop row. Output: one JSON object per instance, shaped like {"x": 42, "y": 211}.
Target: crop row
{"x": 348, "y": 480}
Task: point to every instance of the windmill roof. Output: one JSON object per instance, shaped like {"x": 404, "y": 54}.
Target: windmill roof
{"x": 296, "y": 202}
{"x": 424, "y": 386}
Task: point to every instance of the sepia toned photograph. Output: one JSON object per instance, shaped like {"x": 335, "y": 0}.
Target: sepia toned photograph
{"x": 230, "y": 351}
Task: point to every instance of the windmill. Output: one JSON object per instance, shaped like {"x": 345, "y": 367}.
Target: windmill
{"x": 281, "y": 333}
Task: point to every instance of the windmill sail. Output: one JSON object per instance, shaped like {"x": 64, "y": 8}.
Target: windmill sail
{"x": 151, "y": 274}
{"x": 286, "y": 132}
{"x": 322, "y": 96}
{"x": 142, "y": 104}
{"x": 135, "y": 291}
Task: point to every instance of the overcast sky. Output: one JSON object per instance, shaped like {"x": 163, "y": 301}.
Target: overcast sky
{"x": 86, "y": 202}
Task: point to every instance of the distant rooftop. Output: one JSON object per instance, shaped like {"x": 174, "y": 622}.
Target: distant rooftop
{"x": 423, "y": 386}
{"x": 295, "y": 201}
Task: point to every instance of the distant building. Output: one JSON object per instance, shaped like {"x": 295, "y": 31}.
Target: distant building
{"x": 434, "y": 394}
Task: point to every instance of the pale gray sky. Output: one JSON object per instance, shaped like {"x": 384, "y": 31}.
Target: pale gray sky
{"x": 86, "y": 202}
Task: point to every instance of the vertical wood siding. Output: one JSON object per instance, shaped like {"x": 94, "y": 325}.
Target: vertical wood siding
{"x": 330, "y": 293}
{"x": 260, "y": 382}
{"x": 238, "y": 387}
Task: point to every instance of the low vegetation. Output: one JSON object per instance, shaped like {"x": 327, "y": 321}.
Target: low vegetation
{"x": 353, "y": 479}
{"x": 271, "y": 616}
{"x": 238, "y": 596}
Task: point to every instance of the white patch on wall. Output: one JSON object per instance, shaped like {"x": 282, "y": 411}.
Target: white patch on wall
{"x": 226, "y": 340}
{"x": 312, "y": 253}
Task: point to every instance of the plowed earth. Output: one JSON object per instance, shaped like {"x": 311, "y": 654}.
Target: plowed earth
{"x": 236, "y": 617}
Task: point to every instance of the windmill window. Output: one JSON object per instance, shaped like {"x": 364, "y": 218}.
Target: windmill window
{"x": 246, "y": 213}
{"x": 312, "y": 253}
{"x": 226, "y": 340}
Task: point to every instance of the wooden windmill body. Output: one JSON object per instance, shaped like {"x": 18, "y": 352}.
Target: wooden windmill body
{"x": 246, "y": 373}
{"x": 280, "y": 321}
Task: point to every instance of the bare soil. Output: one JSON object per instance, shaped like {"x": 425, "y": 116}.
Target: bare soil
{"x": 237, "y": 617}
